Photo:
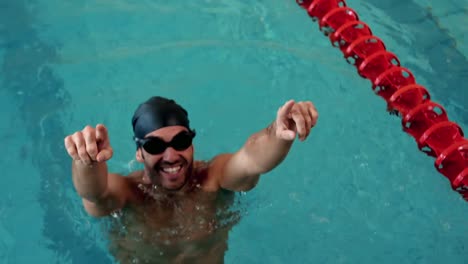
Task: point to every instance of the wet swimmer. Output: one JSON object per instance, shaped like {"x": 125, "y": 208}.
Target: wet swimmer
{"x": 174, "y": 210}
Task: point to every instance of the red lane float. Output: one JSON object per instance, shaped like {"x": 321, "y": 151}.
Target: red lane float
{"x": 422, "y": 118}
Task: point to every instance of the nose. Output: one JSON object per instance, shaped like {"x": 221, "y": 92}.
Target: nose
{"x": 170, "y": 155}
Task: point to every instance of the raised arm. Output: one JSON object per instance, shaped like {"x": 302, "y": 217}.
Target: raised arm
{"x": 265, "y": 149}
{"x": 101, "y": 191}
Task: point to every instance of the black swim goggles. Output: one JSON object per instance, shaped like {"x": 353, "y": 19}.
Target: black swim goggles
{"x": 156, "y": 145}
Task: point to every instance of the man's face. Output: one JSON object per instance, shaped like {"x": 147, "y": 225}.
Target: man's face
{"x": 171, "y": 168}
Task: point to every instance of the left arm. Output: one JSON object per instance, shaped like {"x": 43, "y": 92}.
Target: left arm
{"x": 266, "y": 149}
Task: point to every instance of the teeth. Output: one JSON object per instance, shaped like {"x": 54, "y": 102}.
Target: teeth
{"x": 172, "y": 169}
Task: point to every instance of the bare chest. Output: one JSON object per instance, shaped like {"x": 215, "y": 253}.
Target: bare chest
{"x": 173, "y": 220}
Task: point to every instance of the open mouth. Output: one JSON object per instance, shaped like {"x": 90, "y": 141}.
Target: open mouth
{"x": 172, "y": 170}
{"x": 172, "y": 173}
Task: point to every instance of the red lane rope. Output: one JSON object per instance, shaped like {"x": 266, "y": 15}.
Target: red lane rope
{"x": 422, "y": 118}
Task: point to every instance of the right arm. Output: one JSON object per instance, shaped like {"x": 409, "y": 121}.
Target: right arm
{"x": 101, "y": 191}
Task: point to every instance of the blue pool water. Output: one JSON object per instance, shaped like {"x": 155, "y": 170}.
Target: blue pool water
{"x": 357, "y": 191}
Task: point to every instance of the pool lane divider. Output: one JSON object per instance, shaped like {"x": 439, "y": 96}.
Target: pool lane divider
{"x": 425, "y": 120}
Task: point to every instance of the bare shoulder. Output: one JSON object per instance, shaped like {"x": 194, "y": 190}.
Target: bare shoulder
{"x": 213, "y": 166}
{"x": 218, "y": 162}
{"x": 135, "y": 177}
{"x": 120, "y": 179}
{"x": 125, "y": 186}
{"x": 209, "y": 172}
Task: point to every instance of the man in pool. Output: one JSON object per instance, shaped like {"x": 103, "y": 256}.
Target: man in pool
{"x": 173, "y": 210}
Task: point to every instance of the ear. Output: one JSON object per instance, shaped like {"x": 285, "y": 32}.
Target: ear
{"x": 139, "y": 155}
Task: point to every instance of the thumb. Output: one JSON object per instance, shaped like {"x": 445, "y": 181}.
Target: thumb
{"x": 287, "y": 134}
{"x": 104, "y": 155}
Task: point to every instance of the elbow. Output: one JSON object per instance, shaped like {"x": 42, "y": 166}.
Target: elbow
{"x": 247, "y": 184}
{"x": 251, "y": 183}
{"x": 248, "y": 187}
{"x": 96, "y": 209}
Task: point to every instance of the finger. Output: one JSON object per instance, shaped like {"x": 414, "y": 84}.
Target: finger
{"x": 300, "y": 124}
{"x": 307, "y": 117}
{"x": 283, "y": 112}
{"x": 89, "y": 135}
{"x": 101, "y": 133}
{"x": 102, "y": 137}
{"x": 71, "y": 148}
{"x": 81, "y": 147}
{"x": 313, "y": 113}
{"x": 104, "y": 155}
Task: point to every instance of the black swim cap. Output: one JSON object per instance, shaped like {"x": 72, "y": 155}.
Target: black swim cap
{"x": 158, "y": 112}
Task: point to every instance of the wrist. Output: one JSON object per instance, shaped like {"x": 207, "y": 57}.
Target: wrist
{"x": 275, "y": 135}
{"x": 90, "y": 164}
{"x": 271, "y": 129}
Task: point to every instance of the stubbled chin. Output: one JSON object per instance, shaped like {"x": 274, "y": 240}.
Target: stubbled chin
{"x": 173, "y": 180}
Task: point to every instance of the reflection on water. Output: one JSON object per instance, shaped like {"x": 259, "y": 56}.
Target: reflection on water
{"x": 174, "y": 229}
